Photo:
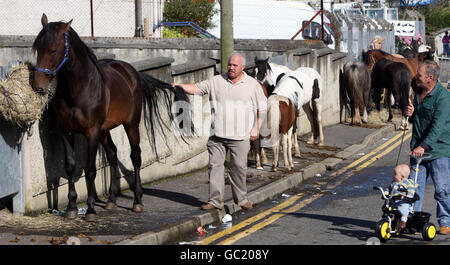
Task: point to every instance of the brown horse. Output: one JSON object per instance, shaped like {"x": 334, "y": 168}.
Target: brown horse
{"x": 281, "y": 114}
{"x": 372, "y": 56}
{"x": 91, "y": 98}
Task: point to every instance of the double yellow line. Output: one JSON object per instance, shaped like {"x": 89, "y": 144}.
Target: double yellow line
{"x": 282, "y": 209}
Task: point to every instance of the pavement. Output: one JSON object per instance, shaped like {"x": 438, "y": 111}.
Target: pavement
{"x": 172, "y": 206}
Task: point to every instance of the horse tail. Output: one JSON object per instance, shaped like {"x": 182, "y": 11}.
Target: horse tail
{"x": 355, "y": 84}
{"x": 316, "y": 89}
{"x": 274, "y": 117}
{"x": 404, "y": 85}
{"x": 157, "y": 92}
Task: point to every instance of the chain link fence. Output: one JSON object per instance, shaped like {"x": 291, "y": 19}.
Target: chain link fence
{"x": 99, "y": 18}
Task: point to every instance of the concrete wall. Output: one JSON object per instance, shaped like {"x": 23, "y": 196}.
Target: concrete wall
{"x": 44, "y": 182}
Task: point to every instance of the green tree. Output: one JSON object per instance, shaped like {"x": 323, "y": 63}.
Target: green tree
{"x": 436, "y": 17}
{"x": 200, "y": 12}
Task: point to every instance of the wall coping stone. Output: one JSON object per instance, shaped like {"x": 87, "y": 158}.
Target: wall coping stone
{"x": 151, "y": 63}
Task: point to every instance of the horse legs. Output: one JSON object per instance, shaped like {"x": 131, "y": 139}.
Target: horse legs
{"x": 315, "y": 119}
{"x": 389, "y": 103}
{"x": 90, "y": 173}
{"x": 134, "y": 139}
{"x": 295, "y": 144}
{"x": 309, "y": 114}
{"x": 111, "y": 155}
{"x": 317, "y": 110}
{"x": 276, "y": 150}
{"x": 72, "y": 209}
{"x": 294, "y": 135}
{"x": 256, "y": 149}
{"x": 365, "y": 117}
{"x": 356, "y": 117}
{"x": 264, "y": 159}
{"x": 287, "y": 150}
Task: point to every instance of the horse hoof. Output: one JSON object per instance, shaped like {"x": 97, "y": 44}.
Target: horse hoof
{"x": 273, "y": 169}
{"x": 90, "y": 217}
{"x": 297, "y": 155}
{"x": 138, "y": 208}
{"x": 71, "y": 215}
{"x": 260, "y": 168}
{"x": 110, "y": 206}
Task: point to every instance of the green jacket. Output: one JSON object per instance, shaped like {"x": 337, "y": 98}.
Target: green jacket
{"x": 431, "y": 123}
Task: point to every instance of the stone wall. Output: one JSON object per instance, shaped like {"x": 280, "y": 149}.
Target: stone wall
{"x": 182, "y": 61}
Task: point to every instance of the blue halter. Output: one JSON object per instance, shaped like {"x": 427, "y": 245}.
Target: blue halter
{"x": 66, "y": 58}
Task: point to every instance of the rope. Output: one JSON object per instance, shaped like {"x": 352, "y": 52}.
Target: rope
{"x": 400, "y": 150}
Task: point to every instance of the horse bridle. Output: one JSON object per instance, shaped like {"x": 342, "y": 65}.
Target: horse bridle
{"x": 66, "y": 58}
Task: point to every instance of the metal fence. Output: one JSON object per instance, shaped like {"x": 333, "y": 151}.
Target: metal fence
{"x": 99, "y": 18}
{"x": 358, "y": 32}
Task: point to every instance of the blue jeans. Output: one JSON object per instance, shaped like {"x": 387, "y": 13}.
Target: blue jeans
{"x": 439, "y": 171}
{"x": 402, "y": 207}
{"x": 446, "y": 50}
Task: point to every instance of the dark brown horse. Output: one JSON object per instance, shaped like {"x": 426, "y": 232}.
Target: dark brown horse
{"x": 91, "y": 98}
{"x": 395, "y": 77}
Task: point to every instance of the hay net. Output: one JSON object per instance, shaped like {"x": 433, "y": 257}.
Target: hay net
{"x": 19, "y": 104}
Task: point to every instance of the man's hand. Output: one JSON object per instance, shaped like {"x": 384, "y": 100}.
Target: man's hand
{"x": 418, "y": 151}
{"x": 409, "y": 110}
{"x": 254, "y": 133}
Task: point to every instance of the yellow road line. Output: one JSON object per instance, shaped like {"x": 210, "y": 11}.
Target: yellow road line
{"x": 355, "y": 163}
{"x": 253, "y": 219}
{"x": 297, "y": 207}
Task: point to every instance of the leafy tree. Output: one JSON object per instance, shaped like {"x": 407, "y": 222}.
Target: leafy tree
{"x": 436, "y": 17}
{"x": 200, "y": 12}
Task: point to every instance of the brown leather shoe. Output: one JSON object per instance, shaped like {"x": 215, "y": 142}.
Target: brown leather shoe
{"x": 208, "y": 206}
{"x": 445, "y": 230}
{"x": 247, "y": 206}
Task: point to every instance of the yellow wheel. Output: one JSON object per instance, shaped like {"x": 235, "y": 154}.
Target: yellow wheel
{"x": 382, "y": 230}
{"x": 429, "y": 232}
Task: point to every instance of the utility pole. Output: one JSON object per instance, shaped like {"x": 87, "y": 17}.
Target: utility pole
{"x": 138, "y": 18}
{"x": 226, "y": 32}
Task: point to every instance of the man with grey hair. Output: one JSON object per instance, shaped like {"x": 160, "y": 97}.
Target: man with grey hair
{"x": 238, "y": 107}
{"x": 430, "y": 115}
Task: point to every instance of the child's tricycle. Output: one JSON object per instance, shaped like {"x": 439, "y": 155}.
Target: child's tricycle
{"x": 389, "y": 225}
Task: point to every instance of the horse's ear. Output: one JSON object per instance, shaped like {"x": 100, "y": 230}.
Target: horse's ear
{"x": 267, "y": 59}
{"x": 67, "y": 26}
{"x": 256, "y": 59}
{"x": 44, "y": 20}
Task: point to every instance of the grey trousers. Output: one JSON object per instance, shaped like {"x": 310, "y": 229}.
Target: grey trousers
{"x": 217, "y": 149}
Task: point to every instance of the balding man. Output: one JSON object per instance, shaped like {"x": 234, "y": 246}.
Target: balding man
{"x": 238, "y": 107}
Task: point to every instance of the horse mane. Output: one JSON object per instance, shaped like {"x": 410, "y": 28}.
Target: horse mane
{"x": 46, "y": 36}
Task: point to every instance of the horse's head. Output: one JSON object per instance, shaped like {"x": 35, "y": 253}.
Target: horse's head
{"x": 366, "y": 59}
{"x": 52, "y": 49}
{"x": 262, "y": 68}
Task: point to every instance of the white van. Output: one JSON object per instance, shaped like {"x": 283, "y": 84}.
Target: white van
{"x": 269, "y": 19}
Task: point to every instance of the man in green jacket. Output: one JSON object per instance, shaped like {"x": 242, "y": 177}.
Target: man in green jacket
{"x": 430, "y": 115}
